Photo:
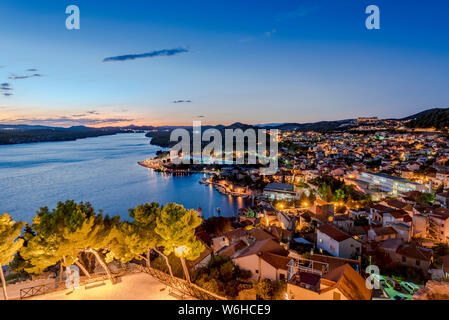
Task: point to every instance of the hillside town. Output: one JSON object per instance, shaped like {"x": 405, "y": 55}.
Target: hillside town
{"x": 342, "y": 202}
{"x": 349, "y": 215}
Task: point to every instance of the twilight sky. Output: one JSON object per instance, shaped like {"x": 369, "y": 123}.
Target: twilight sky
{"x": 220, "y": 61}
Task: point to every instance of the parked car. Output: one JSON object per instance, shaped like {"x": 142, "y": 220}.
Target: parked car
{"x": 383, "y": 283}
{"x": 394, "y": 284}
{"x": 410, "y": 287}
{"x": 401, "y": 296}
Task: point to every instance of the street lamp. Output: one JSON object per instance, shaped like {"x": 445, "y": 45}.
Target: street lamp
{"x": 181, "y": 252}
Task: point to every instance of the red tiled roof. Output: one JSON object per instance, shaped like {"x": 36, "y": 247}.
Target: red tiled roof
{"x": 204, "y": 236}
{"x": 398, "y": 214}
{"x": 414, "y": 252}
{"x": 309, "y": 278}
{"x": 277, "y": 261}
{"x": 207, "y": 251}
{"x": 236, "y": 233}
{"x": 267, "y": 245}
{"x": 442, "y": 212}
{"x": 351, "y": 284}
{"x": 396, "y": 203}
{"x": 260, "y": 234}
{"x": 229, "y": 251}
{"x": 382, "y": 231}
{"x": 380, "y": 207}
{"x": 333, "y": 262}
{"x": 408, "y": 219}
{"x": 278, "y": 232}
{"x": 333, "y": 232}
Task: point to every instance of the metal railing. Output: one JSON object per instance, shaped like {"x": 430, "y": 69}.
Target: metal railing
{"x": 181, "y": 285}
{"x": 298, "y": 264}
{"x": 49, "y": 287}
{"x": 37, "y": 290}
{"x": 178, "y": 285}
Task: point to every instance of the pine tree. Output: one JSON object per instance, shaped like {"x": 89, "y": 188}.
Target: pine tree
{"x": 65, "y": 232}
{"x": 312, "y": 197}
{"x": 134, "y": 239}
{"x": 9, "y": 244}
{"x": 329, "y": 197}
{"x": 339, "y": 195}
{"x": 176, "y": 226}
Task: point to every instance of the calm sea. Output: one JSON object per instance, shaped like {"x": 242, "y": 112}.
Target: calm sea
{"x": 103, "y": 171}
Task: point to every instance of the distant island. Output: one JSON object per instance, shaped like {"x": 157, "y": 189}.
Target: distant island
{"x": 24, "y": 134}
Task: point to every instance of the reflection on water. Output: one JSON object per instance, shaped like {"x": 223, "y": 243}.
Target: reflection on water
{"x": 103, "y": 171}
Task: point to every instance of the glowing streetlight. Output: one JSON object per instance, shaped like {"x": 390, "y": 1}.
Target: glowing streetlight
{"x": 180, "y": 251}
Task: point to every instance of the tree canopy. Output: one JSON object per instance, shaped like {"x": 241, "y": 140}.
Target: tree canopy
{"x": 65, "y": 232}
{"x": 176, "y": 226}
{"x": 9, "y": 243}
{"x": 131, "y": 239}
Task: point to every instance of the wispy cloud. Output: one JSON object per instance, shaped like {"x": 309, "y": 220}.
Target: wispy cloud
{"x": 5, "y": 86}
{"x": 152, "y": 54}
{"x": 270, "y": 33}
{"x": 182, "y": 101}
{"x": 87, "y": 113}
{"x": 5, "y": 89}
{"x": 70, "y": 121}
{"x": 246, "y": 39}
{"x": 32, "y": 70}
{"x": 34, "y": 75}
{"x": 300, "y": 11}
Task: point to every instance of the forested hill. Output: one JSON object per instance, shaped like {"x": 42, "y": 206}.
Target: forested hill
{"x": 26, "y": 135}
{"x": 433, "y": 118}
